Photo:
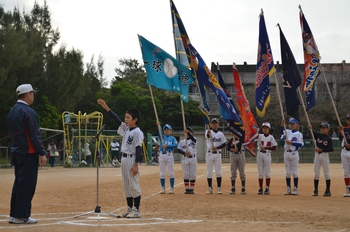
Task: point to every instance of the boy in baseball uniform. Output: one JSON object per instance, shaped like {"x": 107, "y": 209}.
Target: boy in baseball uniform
{"x": 237, "y": 162}
{"x": 131, "y": 153}
{"x": 189, "y": 160}
{"x": 293, "y": 141}
{"x": 215, "y": 142}
{"x": 344, "y": 136}
{"x": 266, "y": 144}
{"x": 324, "y": 145}
{"x": 166, "y": 157}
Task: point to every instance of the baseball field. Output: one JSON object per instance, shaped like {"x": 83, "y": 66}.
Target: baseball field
{"x": 63, "y": 193}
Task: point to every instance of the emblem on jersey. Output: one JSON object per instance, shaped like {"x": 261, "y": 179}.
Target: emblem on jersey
{"x": 130, "y": 139}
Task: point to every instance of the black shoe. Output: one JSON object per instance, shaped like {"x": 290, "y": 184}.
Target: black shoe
{"x": 233, "y": 191}
{"x": 187, "y": 191}
{"x": 327, "y": 193}
{"x": 267, "y": 191}
{"x": 315, "y": 193}
{"x": 260, "y": 192}
{"x": 243, "y": 191}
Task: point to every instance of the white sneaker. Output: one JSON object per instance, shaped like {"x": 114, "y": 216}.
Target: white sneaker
{"x": 347, "y": 193}
{"x": 11, "y": 219}
{"x": 219, "y": 191}
{"x": 295, "y": 191}
{"x": 288, "y": 192}
{"x": 162, "y": 191}
{"x": 134, "y": 214}
{"x": 24, "y": 221}
{"x": 171, "y": 191}
{"x": 127, "y": 212}
{"x": 210, "y": 190}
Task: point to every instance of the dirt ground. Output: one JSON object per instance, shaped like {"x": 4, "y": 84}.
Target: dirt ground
{"x": 63, "y": 193}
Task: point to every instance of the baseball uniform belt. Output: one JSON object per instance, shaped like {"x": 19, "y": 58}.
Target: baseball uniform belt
{"x": 166, "y": 152}
{"x": 348, "y": 149}
{"x": 126, "y": 155}
{"x": 237, "y": 153}
{"x": 214, "y": 152}
{"x": 191, "y": 156}
{"x": 263, "y": 151}
{"x": 289, "y": 151}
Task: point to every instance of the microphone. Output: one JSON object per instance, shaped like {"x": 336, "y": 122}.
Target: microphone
{"x": 102, "y": 129}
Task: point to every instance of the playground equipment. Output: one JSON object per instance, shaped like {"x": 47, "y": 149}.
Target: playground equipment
{"x": 80, "y": 145}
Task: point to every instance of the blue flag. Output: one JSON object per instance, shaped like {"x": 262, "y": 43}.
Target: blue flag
{"x": 207, "y": 78}
{"x": 264, "y": 70}
{"x": 184, "y": 55}
{"x": 164, "y": 71}
{"x": 291, "y": 78}
{"x": 235, "y": 127}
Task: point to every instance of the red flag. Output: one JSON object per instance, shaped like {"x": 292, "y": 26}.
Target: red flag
{"x": 249, "y": 122}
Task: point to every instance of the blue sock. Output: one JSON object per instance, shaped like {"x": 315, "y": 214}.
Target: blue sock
{"x": 162, "y": 182}
{"x": 288, "y": 182}
{"x": 296, "y": 181}
{"x": 172, "y": 181}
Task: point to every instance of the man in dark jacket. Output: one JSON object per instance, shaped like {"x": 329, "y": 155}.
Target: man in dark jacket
{"x": 26, "y": 147}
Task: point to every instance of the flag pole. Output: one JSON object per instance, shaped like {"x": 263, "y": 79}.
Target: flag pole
{"x": 154, "y": 105}
{"x": 331, "y": 97}
{"x": 156, "y": 114}
{"x": 184, "y": 122}
{"x": 307, "y": 116}
{"x": 330, "y": 94}
{"x": 279, "y": 95}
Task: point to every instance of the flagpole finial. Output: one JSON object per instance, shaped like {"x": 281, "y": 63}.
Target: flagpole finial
{"x": 278, "y": 25}
{"x": 234, "y": 65}
{"x": 300, "y": 8}
{"x": 261, "y": 13}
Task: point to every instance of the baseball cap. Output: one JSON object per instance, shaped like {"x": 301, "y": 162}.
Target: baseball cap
{"x": 325, "y": 124}
{"x": 348, "y": 116}
{"x": 167, "y": 126}
{"x": 266, "y": 124}
{"x": 214, "y": 120}
{"x": 293, "y": 120}
{"x": 25, "y": 88}
{"x": 189, "y": 129}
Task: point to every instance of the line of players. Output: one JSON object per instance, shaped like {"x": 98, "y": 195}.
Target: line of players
{"x": 266, "y": 143}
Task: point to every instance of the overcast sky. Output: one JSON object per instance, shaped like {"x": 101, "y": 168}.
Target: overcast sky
{"x": 223, "y": 31}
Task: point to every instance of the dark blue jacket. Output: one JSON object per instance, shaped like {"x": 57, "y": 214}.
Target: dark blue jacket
{"x": 23, "y": 128}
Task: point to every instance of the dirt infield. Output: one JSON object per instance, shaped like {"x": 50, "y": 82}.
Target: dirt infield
{"x": 66, "y": 192}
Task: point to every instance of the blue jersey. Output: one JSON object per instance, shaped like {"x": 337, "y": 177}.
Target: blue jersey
{"x": 170, "y": 141}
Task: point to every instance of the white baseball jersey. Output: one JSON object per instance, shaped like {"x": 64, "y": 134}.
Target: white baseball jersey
{"x": 266, "y": 141}
{"x": 192, "y": 146}
{"x": 213, "y": 159}
{"x": 131, "y": 139}
{"x": 295, "y": 137}
{"x": 217, "y": 138}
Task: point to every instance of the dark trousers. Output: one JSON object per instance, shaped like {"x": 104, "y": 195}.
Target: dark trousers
{"x": 52, "y": 161}
{"x": 26, "y": 176}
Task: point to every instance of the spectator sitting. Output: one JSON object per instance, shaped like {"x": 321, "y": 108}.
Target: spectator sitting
{"x": 115, "y": 162}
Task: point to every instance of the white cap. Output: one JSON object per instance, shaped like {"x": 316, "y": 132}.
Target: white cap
{"x": 25, "y": 88}
{"x": 266, "y": 124}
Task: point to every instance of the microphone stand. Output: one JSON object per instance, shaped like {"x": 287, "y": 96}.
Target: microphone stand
{"x": 99, "y": 157}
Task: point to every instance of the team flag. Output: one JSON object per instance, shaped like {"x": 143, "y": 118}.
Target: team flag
{"x": 235, "y": 127}
{"x": 183, "y": 53}
{"x": 264, "y": 69}
{"x": 164, "y": 71}
{"x": 291, "y": 78}
{"x": 249, "y": 122}
{"x": 207, "y": 78}
{"x": 311, "y": 61}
